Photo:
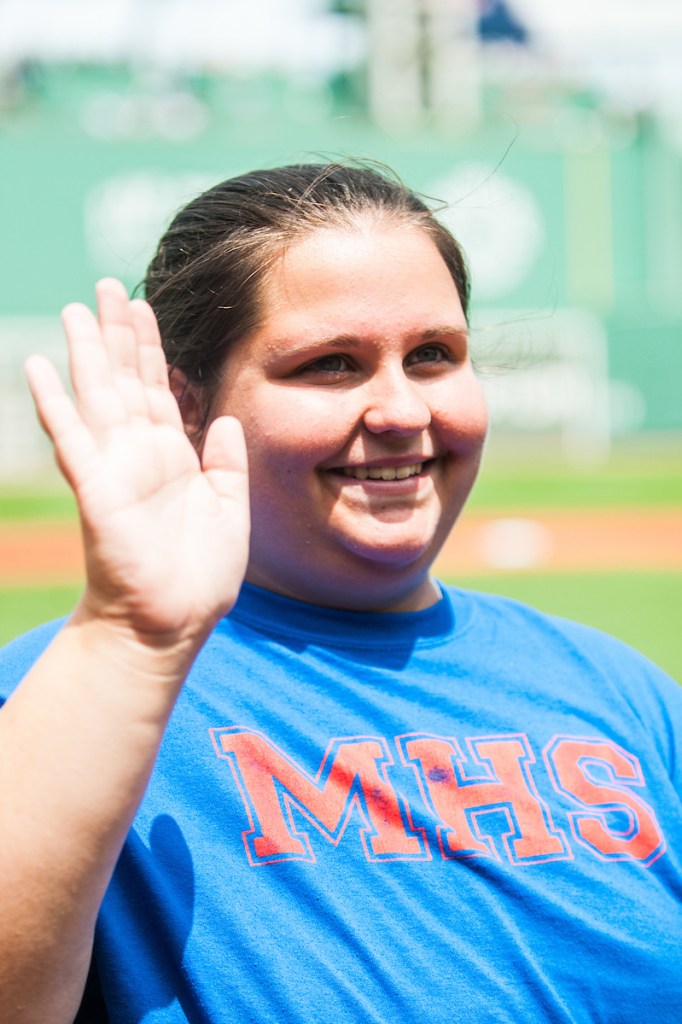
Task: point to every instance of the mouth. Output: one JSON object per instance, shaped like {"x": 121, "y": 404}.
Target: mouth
{"x": 392, "y": 474}
{"x": 383, "y": 472}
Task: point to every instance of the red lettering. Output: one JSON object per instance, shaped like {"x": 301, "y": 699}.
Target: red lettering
{"x": 352, "y": 776}
{"x": 463, "y": 800}
{"x": 599, "y": 775}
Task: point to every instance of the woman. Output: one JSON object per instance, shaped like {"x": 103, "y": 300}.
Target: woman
{"x": 338, "y": 791}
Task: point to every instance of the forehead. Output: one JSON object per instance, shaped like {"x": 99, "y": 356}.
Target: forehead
{"x": 335, "y": 279}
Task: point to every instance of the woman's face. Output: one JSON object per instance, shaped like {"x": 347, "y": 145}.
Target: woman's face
{"x": 364, "y": 421}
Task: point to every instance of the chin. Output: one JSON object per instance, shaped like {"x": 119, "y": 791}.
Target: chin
{"x": 402, "y": 541}
{"x": 393, "y": 552}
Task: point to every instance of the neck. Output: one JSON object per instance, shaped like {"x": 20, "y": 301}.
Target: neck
{"x": 334, "y": 595}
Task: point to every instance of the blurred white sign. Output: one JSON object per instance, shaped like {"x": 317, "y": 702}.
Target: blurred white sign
{"x": 547, "y": 373}
{"x": 498, "y": 223}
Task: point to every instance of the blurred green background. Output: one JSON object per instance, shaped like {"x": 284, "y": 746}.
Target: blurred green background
{"x": 547, "y": 135}
{"x": 640, "y": 607}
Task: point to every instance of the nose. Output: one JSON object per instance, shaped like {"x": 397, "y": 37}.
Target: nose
{"x": 396, "y": 404}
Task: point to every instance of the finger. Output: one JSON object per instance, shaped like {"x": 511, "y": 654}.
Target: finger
{"x": 150, "y": 355}
{"x": 93, "y": 383}
{"x": 73, "y": 443}
{"x": 121, "y": 343}
{"x": 224, "y": 460}
{"x": 88, "y": 364}
{"x": 113, "y": 313}
{"x": 152, "y": 366}
{"x": 88, "y": 361}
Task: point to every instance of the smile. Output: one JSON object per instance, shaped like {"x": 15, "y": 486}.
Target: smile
{"x": 383, "y": 472}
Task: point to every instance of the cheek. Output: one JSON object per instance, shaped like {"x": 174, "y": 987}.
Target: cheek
{"x": 480, "y": 418}
{"x": 282, "y": 441}
{"x": 463, "y": 414}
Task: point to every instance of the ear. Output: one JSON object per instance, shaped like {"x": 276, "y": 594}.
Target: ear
{"x": 192, "y": 404}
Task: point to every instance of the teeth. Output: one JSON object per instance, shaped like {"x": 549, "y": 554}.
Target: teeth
{"x": 383, "y": 472}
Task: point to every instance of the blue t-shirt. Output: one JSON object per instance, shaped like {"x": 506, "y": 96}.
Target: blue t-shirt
{"x": 470, "y": 813}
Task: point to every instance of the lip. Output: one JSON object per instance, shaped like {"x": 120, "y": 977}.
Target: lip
{"x": 373, "y": 486}
{"x": 390, "y": 462}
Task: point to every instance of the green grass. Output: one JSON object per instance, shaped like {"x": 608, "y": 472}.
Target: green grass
{"x": 19, "y": 505}
{"x": 22, "y": 608}
{"x": 637, "y": 481}
{"x": 641, "y": 608}
{"x": 649, "y": 478}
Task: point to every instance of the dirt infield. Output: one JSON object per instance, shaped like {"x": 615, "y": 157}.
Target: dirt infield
{"x": 561, "y": 541}
{"x": 50, "y": 553}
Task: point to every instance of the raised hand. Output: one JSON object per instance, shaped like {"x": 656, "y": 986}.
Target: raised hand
{"x": 165, "y": 533}
{"x": 166, "y": 538}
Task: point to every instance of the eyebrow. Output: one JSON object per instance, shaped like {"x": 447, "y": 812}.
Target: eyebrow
{"x": 437, "y": 331}
{"x": 462, "y": 333}
{"x": 340, "y": 341}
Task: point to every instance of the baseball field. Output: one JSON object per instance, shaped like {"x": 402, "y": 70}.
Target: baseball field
{"x": 602, "y": 545}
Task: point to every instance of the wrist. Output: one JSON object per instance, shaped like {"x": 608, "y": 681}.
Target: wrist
{"x": 132, "y": 651}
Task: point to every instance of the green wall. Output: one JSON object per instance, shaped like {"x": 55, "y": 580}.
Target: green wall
{"x": 607, "y": 213}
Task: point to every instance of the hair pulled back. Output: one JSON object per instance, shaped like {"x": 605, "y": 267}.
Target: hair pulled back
{"x": 206, "y": 281}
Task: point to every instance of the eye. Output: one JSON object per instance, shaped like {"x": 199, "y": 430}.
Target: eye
{"x": 429, "y": 354}
{"x": 331, "y": 365}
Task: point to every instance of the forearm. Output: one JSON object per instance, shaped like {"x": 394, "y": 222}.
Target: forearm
{"x": 166, "y": 544}
{"x": 78, "y": 740}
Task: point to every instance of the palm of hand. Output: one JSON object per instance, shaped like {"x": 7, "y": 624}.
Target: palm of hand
{"x": 165, "y": 534}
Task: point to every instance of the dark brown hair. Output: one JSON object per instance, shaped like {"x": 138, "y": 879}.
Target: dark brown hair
{"x": 206, "y": 281}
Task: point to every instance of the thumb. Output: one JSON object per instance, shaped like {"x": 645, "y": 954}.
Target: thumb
{"x": 224, "y": 459}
